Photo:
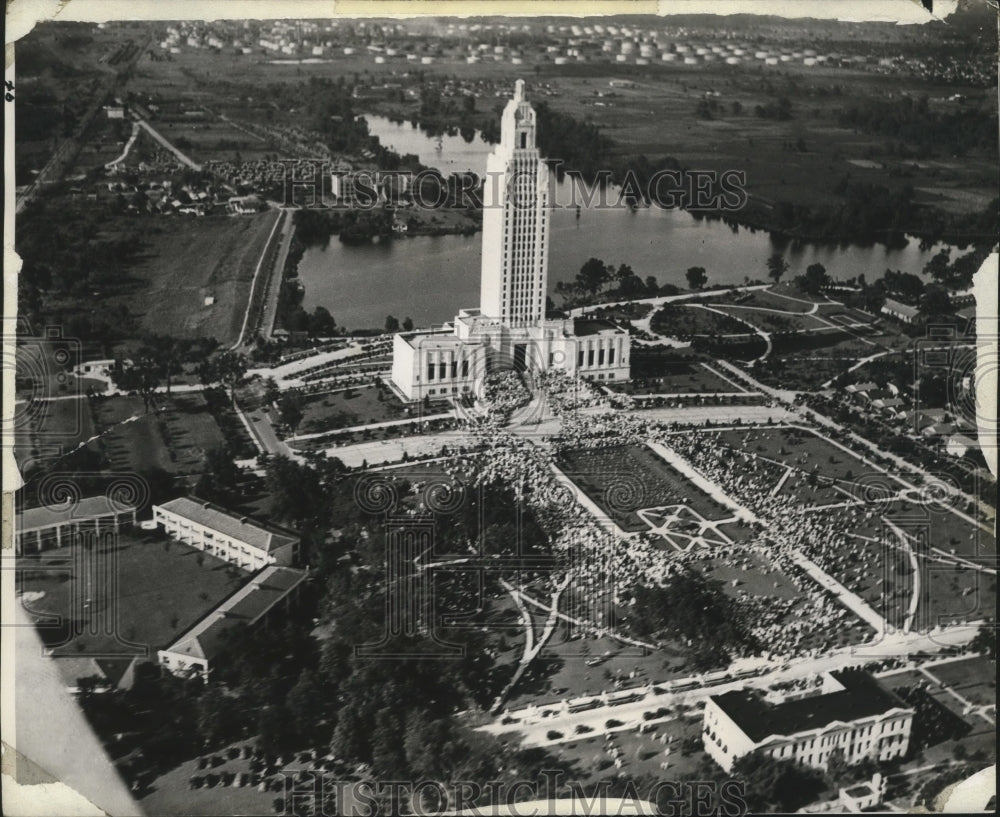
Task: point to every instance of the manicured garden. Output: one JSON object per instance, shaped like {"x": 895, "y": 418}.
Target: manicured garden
{"x": 621, "y": 480}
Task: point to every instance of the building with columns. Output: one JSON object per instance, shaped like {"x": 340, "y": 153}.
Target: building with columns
{"x": 248, "y": 544}
{"x": 852, "y": 713}
{"x": 38, "y": 529}
{"x": 267, "y": 598}
{"x": 509, "y": 329}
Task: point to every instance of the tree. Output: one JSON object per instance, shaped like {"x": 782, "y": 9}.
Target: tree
{"x": 408, "y": 321}
{"x": 219, "y": 481}
{"x": 814, "y": 279}
{"x": 696, "y": 277}
{"x": 935, "y": 301}
{"x": 593, "y": 276}
{"x": 777, "y": 266}
{"x": 776, "y": 785}
{"x": 388, "y": 756}
{"x": 985, "y": 641}
{"x": 305, "y": 703}
{"x": 623, "y": 273}
{"x": 142, "y": 375}
{"x": 271, "y": 391}
{"x": 391, "y": 324}
{"x": 169, "y": 353}
{"x": 274, "y": 730}
{"x": 218, "y": 716}
{"x": 228, "y": 369}
{"x": 321, "y": 323}
{"x": 295, "y": 489}
{"x": 291, "y": 409}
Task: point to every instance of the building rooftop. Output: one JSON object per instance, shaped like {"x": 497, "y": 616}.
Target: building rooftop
{"x": 591, "y": 326}
{"x": 248, "y": 604}
{"x": 900, "y": 308}
{"x": 861, "y": 696}
{"x": 90, "y": 507}
{"x": 255, "y": 533}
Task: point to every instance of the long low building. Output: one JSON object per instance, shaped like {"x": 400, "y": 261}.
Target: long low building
{"x": 247, "y": 543}
{"x": 852, "y": 713}
{"x": 270, "y": 593}
{"x": 55, "y": 525}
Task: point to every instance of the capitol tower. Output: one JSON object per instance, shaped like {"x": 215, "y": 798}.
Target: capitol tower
{"x": 515, "y": 221}
{"x": 510, "y": 329}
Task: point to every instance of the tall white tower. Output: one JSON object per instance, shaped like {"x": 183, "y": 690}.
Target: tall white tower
{"x": 515, "y": 221}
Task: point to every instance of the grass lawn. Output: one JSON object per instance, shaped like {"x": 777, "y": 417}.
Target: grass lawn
{"x": 676, "y": 377}
{"x": 969, "y": 671}
{"x": 161, "y": 591}
{"x": 754, "y": 576}
{"x": 50, "y": 427}
{"x": 175, "y": 438}
{"x": 773, "y": 322}
{"x": 783, "y": 297}
{"x": 686, "y": 320}
{"x": 562, "y": 671}
{"x": 641, "y": 753}
{"x": 624, "y": 479}
{"x": 805, "y": 452}
{"x": 353, "y": 407}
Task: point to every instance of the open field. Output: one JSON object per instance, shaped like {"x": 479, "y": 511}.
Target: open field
{"x": 187, "y": 260}
{"x": 625, "y": 479}
{"x": 750, "y": 574}
{"x": 658, "y": 116}
{"x": 163, "y": 587}
{"x": 190, "y": 278}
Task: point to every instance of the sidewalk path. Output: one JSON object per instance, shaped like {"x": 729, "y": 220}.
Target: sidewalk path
{"x": 852, "y": 601}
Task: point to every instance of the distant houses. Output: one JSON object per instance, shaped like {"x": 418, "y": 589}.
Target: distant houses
{"x": 245, "y": 205}
{"x": 904, "y": 313}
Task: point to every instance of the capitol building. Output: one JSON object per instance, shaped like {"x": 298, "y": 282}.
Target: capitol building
{"x": 510, "y": 329}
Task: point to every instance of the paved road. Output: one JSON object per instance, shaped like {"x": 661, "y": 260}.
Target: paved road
{"x": 384, "y": 451}
{"x": 534, "y": 725}
{"x": 254, "y": 284}
{"x": 274, "y": 277}
{"x": 698, "y": 415}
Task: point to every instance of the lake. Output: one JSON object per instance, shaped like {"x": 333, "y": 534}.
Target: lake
{"x": 428, "y": 278}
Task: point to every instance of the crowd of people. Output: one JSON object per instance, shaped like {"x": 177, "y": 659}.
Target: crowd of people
{"x": 606, "y": 565}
